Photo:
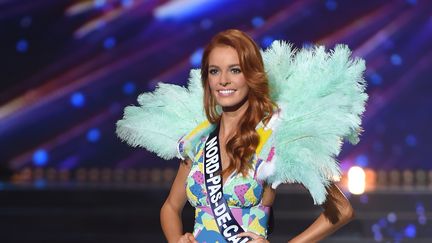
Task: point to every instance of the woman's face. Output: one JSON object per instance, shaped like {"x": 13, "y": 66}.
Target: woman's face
{"x": 227, "y": 83}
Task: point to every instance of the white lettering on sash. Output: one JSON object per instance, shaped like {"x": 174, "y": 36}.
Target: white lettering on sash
{"x": 214, "y": 188}
{"x": 227, "y": 230}
{"x": 210, "y": 169}
{"x": 223, "y": 218}
{"x": 216, "y": 197}
{"x": 214, "y": 179}
{"x": 236, "y": 239}
{"x": 219, "y": 210}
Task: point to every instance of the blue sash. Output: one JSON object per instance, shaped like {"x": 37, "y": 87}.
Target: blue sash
{"x": 227, "y": 225}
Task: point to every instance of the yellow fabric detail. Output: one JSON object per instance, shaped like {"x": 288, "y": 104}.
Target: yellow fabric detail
{"x": 210, "y": 224}
{"x": 256, "y": 227}
{"x": 202, "y": 125}
{"x": 250, "y": 196}
{"x": 264, "y": 135}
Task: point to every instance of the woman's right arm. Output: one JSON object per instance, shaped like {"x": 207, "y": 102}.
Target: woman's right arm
{"x": 170, "y": 214}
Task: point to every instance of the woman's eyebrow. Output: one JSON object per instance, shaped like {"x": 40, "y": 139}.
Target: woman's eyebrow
{"x": 230, "y": 66}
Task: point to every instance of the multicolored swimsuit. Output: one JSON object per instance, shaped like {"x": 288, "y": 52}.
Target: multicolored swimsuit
{"x": 243, "y": 194}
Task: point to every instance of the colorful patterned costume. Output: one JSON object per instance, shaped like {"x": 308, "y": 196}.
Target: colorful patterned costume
{"x": 320, "y": 96}
{"x": 243, "y": 194}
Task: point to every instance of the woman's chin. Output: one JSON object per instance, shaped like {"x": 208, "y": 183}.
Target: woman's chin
{"x": 233, "y": 105}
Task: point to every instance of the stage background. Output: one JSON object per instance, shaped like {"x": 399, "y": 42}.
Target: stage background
{"x": 68, "y": 68}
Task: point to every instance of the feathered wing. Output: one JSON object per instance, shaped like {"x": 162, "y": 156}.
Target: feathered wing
{"x": 321, "y": 99}
{"x": 163, "y": 117}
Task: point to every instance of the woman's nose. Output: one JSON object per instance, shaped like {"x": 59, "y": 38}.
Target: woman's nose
{"x": 224, "y": 81}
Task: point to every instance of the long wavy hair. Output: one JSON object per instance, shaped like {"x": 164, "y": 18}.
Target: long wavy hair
{"x": 241, "y": 147}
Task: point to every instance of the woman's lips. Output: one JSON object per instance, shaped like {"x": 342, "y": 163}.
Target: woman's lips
{"x": 226, "y": 92}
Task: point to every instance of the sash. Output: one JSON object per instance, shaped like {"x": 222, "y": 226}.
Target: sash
{"x": 227, "y": 224}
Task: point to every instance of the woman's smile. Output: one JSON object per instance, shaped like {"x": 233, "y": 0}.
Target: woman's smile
{"x": 226, "y": 92}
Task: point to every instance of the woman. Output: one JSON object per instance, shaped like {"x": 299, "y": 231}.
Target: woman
{"x": 241, "y": 138}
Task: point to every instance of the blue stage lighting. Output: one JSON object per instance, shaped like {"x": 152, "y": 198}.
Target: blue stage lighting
{"x": 331, "y": 5}
{"x": 257, "y": 21}
{"x": 375, "y": 228}
{"x": 183, "y": 10}
{"x": 93, "y": 135}
{"x": 22, "y": 46}
{"x": 127, "y": 3}
{"x": 267, "y": 41}
{"x": 129, "y": 88}
{"x": 109, "y": 42}
{"x": 195, "y": 59}
{"x": 362, "y": 160}
{"x": 411, "y": 140}
{"x": 396, "y": 60}
{"x": 422, "y": 220}
{"x": 382, "y": 222}
{"x": 77, "y": 99}
{"x": 410, "y": 231}
{"x": 412, "y": 2}
{"x": 420, "y": 208}
{"x": 376, "y": 79}
{"x": 378, "y": 236}
{"x": 99, "y": 3}
{"x": 391, "y": 217}
{"x": 40, "y": 157}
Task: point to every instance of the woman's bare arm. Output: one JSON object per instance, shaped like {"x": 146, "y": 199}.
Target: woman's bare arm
{"x": 337, "y": 212}
{"x": 170, "y": 214}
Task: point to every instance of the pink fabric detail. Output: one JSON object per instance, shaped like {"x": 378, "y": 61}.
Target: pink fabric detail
{"x": 271, "y": 154}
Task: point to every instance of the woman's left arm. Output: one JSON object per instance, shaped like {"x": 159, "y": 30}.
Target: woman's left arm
{"x": 337, "y": 212}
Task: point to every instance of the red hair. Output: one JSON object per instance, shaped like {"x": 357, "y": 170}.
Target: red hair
{"x": 242, "y": 146}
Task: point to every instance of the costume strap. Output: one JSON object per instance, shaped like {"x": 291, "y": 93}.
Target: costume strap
{"x": 227, "y": 224}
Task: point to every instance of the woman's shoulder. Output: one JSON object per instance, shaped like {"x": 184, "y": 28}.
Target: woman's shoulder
{"x": 187, "y": 143}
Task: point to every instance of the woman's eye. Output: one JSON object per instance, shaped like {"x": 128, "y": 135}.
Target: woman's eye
{"x": 236, "y": 70}
{"x": 213, "y": 71}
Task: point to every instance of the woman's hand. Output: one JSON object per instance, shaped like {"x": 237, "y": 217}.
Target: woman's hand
{"x": 187, "y": 238}
{"x": 255, "y": 238}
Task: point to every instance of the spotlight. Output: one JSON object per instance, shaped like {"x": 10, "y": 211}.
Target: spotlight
{"x": 356, "y": 180}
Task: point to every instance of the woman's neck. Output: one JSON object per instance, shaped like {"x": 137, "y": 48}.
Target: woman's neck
{"x": 230, "y": 119}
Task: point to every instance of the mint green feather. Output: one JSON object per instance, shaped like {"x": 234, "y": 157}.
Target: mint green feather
{"x": 321, "y": 97}
{"x": 163, "y": 117}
